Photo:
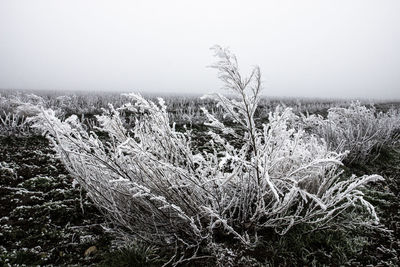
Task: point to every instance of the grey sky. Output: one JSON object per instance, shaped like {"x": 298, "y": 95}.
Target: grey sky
{"x": 341, "y": 48}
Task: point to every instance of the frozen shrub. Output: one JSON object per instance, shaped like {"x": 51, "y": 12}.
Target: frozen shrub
{"x": 13, "y": 124}
{"x": 152, "y": 186}
{"x": 14, "y": 112}
{"x": 357, "y": 129}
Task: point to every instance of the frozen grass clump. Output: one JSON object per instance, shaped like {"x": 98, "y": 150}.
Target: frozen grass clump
{"x": 152, "y": 186}
{"x": 360, "y": 130}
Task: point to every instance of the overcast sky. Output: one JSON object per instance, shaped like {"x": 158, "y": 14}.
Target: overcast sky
{"x": 340, "y": 48}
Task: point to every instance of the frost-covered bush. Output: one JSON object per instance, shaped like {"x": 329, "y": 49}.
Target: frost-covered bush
{"x": 14, "y": 112}
{"x": 13, "y": 124}
{"x": 360, "y": 130}
{"x": 152, "y": 186}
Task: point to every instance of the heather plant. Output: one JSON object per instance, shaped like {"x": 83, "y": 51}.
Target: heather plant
{"x": 360, "y": 130}
{"x": 152, "y": 183}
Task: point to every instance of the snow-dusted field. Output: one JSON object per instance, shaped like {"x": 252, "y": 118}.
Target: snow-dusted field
{"x": 44, "y": 219}
{"x": 47, "y": 219}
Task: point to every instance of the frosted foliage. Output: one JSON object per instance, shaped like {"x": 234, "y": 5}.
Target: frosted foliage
{"x": 152, "y": 185}
{"x": 360, "y": 130}
{"x": 15, "y": 110}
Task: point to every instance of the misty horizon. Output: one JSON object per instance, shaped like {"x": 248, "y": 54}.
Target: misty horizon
{"x": 307, "y": 49}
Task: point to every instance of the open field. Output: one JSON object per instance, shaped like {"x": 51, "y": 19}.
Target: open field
{"x": 48, "y": 219}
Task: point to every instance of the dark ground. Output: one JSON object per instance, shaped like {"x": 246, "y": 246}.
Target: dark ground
{"x": 41, "y": 218}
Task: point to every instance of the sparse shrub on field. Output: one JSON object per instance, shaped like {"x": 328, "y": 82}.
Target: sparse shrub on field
{"x": 360, "y": 130}
{"x": 13, "y": 124}
{"x": 152, "y": 186}
{"x": 14, "y": 113}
